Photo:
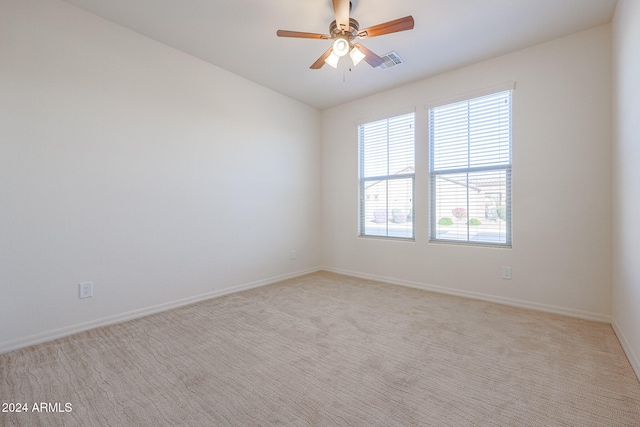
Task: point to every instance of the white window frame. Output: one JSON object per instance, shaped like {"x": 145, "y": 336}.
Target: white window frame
{"x": 391, "y": 176}
{"x": 505, "y": 167}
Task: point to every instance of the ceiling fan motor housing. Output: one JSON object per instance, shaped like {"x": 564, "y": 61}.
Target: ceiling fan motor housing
{"x": 351, "y": 34}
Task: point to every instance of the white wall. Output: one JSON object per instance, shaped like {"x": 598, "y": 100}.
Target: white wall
{"x": 561, "y": 255}
{"x": 626, "y": 178}
{"x": 151, "y": 173}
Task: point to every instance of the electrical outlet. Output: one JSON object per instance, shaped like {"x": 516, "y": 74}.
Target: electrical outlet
{"x": 293, "y": 254}
{"x": 86, "y": 290}
{"x": 506, "y": 273}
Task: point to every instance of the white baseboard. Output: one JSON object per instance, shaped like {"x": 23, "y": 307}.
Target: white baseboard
{"x": 69, "y": 330}
{"x": 633, "y": 358}
{"x": 122, "y": 317}
{"x": 479, "y": 296}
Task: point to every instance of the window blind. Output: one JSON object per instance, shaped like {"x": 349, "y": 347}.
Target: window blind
{"x": 387, "y": 177}
{"x": 470, "y": 170}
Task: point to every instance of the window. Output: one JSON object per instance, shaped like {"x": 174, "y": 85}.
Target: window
{"x": 387, "y": 177}
{"x": 470, "y": 170}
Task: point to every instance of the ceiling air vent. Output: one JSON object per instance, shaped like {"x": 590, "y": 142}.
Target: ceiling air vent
{"x": 390, "y": 59}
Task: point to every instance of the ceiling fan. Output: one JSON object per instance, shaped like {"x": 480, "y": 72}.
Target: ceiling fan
{"x": 344, "y": 30}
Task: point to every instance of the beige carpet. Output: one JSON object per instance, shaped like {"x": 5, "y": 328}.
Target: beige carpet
{"x": 329, "y": 350}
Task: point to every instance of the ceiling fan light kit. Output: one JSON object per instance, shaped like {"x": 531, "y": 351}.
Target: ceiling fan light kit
{"x": 344, "y": 30}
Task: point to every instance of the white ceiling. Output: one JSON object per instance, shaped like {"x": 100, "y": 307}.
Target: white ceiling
{"x": 240, "y": 36}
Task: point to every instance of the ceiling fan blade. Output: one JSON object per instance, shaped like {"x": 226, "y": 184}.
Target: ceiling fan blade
{"x": 341, "y": 9}
{"x": 301, "y": 35}
{"x": 320, "y": 62}
{"x": 401, "y": 24}
{"x": 369, "y": 57}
